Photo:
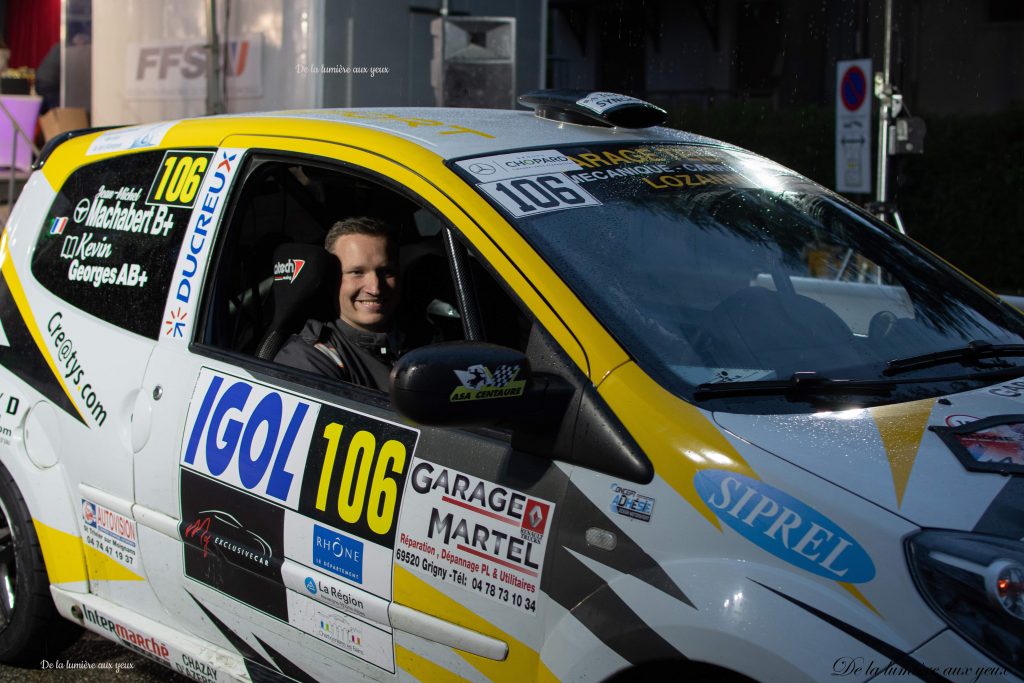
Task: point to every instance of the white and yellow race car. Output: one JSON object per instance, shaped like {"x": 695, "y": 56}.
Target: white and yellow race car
{"x": 665, "y": 410}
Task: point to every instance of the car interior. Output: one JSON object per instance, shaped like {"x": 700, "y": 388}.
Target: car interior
{"x": 276, "y": 231}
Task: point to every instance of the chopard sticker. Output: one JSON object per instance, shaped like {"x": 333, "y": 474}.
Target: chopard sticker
{"x": 518, "y": 164}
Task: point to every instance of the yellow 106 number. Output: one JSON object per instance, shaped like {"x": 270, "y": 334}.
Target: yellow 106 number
{"x": 366, "y": 484}
{"x": 179, "y": 178}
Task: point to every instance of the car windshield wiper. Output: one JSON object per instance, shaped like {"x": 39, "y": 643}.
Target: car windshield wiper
{"x": 975, "y": 350}
{"x": 799, "y": 385}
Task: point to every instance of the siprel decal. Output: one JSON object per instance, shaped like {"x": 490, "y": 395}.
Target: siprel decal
{"x": 783, "y": 526}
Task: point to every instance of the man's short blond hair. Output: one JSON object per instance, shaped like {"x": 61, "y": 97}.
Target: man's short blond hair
{"x": 359, "y": 225}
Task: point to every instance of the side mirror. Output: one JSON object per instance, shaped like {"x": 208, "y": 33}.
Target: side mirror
{"x": 463, "y": 384}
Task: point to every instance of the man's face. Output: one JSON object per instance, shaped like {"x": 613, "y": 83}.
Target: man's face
{"x": 369, "y": 285}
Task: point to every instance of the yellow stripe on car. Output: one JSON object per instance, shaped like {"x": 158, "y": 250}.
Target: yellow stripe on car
{"x": 901, "y": 426}
{"x": 522, "y": 664}
{"x": 422, "y": 669}
{"x": 18, "y": 294}
{"x": 62, "y": 554}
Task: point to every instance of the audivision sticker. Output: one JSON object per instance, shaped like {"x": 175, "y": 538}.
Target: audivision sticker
{"x": 783, "y": 526}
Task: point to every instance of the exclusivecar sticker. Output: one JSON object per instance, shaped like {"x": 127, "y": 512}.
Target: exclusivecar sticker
{"x": 480, "y": 382}
{"x": 784, "y": 526}
{"x": 233, "y": 542}
{"x": 474, "y": 534}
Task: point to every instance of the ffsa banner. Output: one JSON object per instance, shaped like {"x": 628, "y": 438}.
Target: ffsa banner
{"x": 177, "y": 69}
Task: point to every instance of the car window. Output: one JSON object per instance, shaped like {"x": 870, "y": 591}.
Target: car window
{"x": 113, "y": 232}
{"x": 713, "y": 266}
{"x": 273, "y": 273}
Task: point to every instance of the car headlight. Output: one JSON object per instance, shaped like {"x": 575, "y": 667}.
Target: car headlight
{"x": 976, "y": 584}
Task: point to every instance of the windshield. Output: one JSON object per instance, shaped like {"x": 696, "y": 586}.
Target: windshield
{"x": 713, "y": 266}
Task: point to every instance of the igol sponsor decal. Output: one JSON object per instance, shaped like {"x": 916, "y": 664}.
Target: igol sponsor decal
{"x": 71, "y": 367}
{"x": 783, "y": 526}
{"x": 145, "y": 644}
{"x": 338, "y": 553}
{"x": 289, "y": 270}
{"x": 629, "y": 503}
{"x": 479, "y": 382}
{"x": 243, "y": 434}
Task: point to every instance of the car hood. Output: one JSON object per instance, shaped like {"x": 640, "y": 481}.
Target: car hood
{"x": 892, "y": 456}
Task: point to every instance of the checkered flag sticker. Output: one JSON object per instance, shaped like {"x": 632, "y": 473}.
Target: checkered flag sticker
{"x": 479, "y": 377}
{"x": 504, "y": 374}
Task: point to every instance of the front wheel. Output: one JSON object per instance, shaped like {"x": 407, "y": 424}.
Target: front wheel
{"x": 31, "y": 629}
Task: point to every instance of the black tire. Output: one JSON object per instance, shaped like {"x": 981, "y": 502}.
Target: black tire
{"x": 31, "y": 629}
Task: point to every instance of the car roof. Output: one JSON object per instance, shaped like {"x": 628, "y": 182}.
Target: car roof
{"x": 453, "y": 133}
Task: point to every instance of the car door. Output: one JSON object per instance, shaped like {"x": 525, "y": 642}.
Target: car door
{"x": 299, "y": 520}
{"x": 110, "y": 236}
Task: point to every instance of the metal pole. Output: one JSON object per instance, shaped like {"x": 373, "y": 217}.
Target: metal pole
{"x": 214, "y": 101}
{"x": 883, "y": 90}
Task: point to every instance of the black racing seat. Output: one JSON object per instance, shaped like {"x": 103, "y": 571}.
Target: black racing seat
{"x": 306, "y": 279}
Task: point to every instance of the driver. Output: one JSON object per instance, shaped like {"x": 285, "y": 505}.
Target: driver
{"x": 362, "y": 344}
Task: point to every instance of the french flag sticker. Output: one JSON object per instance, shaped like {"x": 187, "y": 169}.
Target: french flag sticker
{"x": 57, "y": 226}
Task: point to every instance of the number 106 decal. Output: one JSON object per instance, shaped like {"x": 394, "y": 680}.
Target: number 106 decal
{"x": 539, "y": 194}
{"x": 339, "y": 467}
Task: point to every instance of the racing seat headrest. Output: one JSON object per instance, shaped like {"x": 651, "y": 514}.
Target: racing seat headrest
{"x": 305, "y": 286}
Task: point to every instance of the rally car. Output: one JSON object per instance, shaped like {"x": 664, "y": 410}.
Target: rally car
{"x": 665, "y": 410}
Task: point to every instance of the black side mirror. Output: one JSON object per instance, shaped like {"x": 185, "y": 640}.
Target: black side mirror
{"x": 472, "y": 384}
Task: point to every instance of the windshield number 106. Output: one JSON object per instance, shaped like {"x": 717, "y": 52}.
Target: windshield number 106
{"x": 538, "y": 194}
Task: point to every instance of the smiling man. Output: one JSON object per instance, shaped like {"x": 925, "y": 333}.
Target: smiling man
{"x": 361, "y": 345}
